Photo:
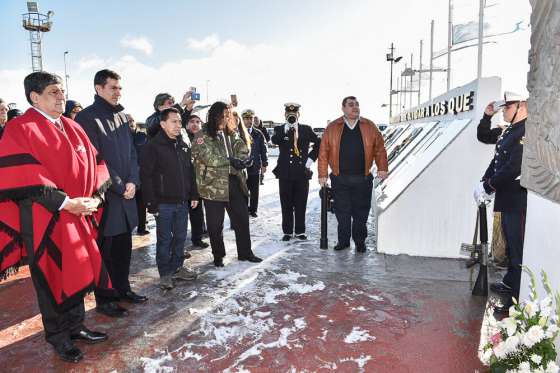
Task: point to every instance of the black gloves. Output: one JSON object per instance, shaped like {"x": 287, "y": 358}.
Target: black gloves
{"x": 152, "y": 208}
{"x": 240, "y": 164}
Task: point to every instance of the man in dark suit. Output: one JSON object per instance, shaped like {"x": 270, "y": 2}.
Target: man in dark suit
{"x": 293, "y": 170}
{"x": 108, "y": 130}
{"x": 502, "y": 181}
{"x": 259, "y": 158}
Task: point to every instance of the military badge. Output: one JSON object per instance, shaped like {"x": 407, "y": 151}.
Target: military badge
{"x": 200, "y": 141}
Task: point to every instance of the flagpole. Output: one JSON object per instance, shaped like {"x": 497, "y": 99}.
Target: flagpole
{"x": 431, "y": 56}
{"x": 480, "y": 37}
{"x": 449, "y": 44}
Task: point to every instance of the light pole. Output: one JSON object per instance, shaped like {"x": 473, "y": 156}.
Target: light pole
{"x": 392, "y": 59}
{"x": 66, "y": 73}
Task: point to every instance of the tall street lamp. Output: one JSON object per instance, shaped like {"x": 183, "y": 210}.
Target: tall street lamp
{"x": 392, "y": 59}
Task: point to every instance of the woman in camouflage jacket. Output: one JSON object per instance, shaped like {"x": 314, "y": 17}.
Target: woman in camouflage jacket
{"x": 220, "y": 158}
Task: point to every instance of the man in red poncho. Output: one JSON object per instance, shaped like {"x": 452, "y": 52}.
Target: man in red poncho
{"x": 51, "y": 182}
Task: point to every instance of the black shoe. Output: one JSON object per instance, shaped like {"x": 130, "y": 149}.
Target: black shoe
{"x": 361, "y": 248}
{"x": 339, "y": 247}
{"x": 252, "y": 259}
{"x": 302, "y": 237}
{"x": 253, "y": 214}
{"x": 219, "y": 262}
{"x": 142, "y": 232}
{"x": 111, "y": 309}
{"x": 502, "y": 310}
{"x": 201, "y": 244}
{"x": 500, "y": 288}
{"x": 88, "y": 336}
{"x": 132, "y": 297}
{"x": 187, "y": 255}
{"x": 287, "y": 237}
{"x": 68, "y": 352}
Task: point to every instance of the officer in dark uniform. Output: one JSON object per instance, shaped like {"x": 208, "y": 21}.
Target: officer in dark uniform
{"x": 293, "y": 170}
{"x": 501, "y": 180}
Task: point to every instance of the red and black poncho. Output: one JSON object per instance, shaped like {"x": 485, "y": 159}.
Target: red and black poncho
{"x": 35, "y": 158}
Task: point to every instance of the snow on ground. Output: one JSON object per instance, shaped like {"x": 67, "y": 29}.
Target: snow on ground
{"x": 358, "y": 335}
{"x": 241, "y": 293}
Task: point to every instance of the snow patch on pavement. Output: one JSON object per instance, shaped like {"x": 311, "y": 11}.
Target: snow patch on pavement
{"x": 358, "y": 335}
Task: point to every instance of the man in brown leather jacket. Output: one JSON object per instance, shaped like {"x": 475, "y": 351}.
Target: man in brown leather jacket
{"x": 349, "y": 146}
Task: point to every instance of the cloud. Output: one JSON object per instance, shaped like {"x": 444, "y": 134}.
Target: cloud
{"x": 141, "y": 44}
{"x": 92, "y": 62}
{"x": 316, "y": 68}
{"x": 209, "y": 43}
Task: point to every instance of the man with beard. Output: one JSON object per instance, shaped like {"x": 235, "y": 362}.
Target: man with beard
{"x": 349, "y": 147}
{"x": 293, "y": 170}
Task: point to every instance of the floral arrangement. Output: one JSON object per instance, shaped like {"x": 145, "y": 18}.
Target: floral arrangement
{"x": 524, "y": 341}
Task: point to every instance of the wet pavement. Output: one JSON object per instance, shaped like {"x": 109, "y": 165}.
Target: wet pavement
{"x": 301, "y": 310}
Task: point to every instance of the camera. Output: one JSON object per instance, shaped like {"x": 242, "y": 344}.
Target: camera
{"x": 292, "y": 118}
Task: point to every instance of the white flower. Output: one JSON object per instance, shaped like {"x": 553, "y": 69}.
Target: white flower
{"x": 531, "y": 309}
{"x": 512, "y": 343}
{"x": 538, "y": 370}
{"x": 510, "y": 324}
{"x": 485, "y": 358}
{"x": 536, "y": 358}
{"x": 552, "y": 367}
{"x": 553, "y": 328}
{"x": 534, "y": 335}
{"x": 524, "y": 367}
{"x": 500, "y": 350}
{"x": 546, "y": 302}
{"x": 513, "y": 312}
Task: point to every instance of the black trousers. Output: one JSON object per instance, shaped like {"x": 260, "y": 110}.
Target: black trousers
{"x": 293, "y": 201}
{"x": 253, "y": 184}
{"x": 141, "y": 207}
{"x": 58, "y": 324}
{"x": 352, "y": 202}
{"x": 196, "y": 217}
{"x": 513, "y": 225}
{"x": 116, "y": 252}
{"x": 239, "y": 217}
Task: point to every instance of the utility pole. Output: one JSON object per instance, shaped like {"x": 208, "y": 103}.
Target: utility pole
{"x": 392, "y": 59}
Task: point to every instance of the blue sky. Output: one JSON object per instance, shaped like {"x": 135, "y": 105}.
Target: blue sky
{"x": 313, "y": 52}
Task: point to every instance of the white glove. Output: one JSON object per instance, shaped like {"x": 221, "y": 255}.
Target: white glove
{"x": 480, "y": 195}
{"x": 309, "y": 163}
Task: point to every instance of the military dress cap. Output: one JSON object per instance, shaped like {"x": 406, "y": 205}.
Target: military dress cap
{"x": 292, "y": 107}
{"x": 510, "y": 97}
{"x": 247, "y": 113}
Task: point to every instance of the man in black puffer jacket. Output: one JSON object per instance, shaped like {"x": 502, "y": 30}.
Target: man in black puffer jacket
{"x": 169, "y": 188}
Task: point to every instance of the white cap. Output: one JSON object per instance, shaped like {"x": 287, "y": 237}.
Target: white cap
{"x": 512, "y": 97}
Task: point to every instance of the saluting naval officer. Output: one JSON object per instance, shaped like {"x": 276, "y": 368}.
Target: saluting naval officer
{"x": 293, "y": 170}
{"x": 501, "y": 180}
